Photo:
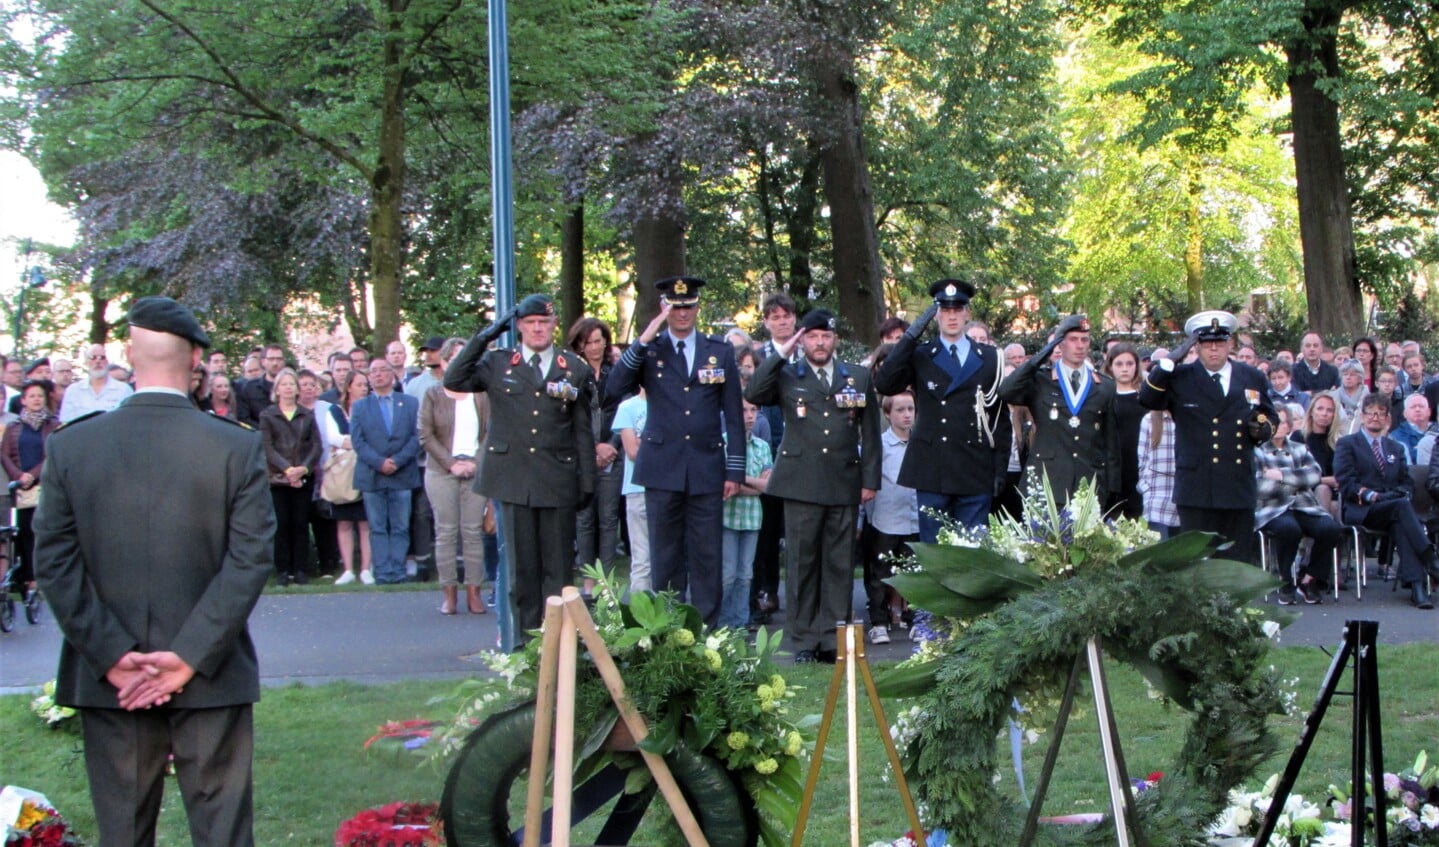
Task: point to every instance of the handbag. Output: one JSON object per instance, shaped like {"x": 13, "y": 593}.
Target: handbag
{"x": 27, "y": 498}
{"x": 338, "y": 481}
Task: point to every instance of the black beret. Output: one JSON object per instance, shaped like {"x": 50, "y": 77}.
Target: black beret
{"x": 161, "y": 314}
{"x": 42, "y": 362}
{"x": 434, "y": 342}
{"x": 532, "y": 306}
{"x": 680, "y": 290}
{"x": 819, "y": 319}
{"x": 951, "y": 292}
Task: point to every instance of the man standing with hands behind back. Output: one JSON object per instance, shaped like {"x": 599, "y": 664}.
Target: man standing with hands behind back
{"x": 154, "y": 607}
{"x": 829, "y": 462}
{"x": 692, "y": 454}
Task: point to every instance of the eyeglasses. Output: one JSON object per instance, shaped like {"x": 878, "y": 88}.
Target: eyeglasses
{"x": 94, "y": 358}
{"x": 1375, "y": 413}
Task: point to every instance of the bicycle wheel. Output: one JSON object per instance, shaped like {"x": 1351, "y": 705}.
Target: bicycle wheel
{"x": 7, "y": 613}
{"x": 487, "y": 782}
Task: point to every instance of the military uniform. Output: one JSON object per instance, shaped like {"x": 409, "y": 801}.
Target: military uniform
{"x": 830, "y": 451}
{"x": 1074, "y": 436}
{"x": 962, "y": 433}
{"x": 156, "y": 533}
{"x": 537, "y": 462}
{"x": 1215, "y": 433}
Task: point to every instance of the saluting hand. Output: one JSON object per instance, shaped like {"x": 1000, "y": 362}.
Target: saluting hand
{"x": 787, "y": 348}
{"x": 656, "y": 324}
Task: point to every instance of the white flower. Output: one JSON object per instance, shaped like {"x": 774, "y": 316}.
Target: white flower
{"x": 1335, "y": 835}
{"x": 1271, "y": 629}
{"x": 1232, "y": 821}
{"x": 645, "y": 643}
{"x": 713, "y": 642}
{"x": 1429, "y": 816}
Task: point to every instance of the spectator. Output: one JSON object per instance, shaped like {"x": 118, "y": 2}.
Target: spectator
{"x": 1321, "y": 434}
{"x": 742, "y": 518}
{"x": 200, "y": 386}
{"x": 629, "y": 423}
{"x": 254, "y": 395}
{"x": 359, "y": 358}
{"x": 340, "y": 370}
{"x": 891, "y": 328}
{"x": 350, "y": 519}
{"x": 977, "y": 331}
{"x": 891, "y": 522}
{"x": 384, "y": 431}
{"x": 217, "y": 363}
{"x": 1247, "y": 355}
{"x": 251, "y": 369}
{"x": 597, "y": 527}
{"x": 434, "y": 371}
{"x": 738, "y": 339}
{"x": 1394, "y": 355}
{"x": 1377, "y": 492}
{"x": 1350, "y": 395}
{"x": 1410, "y": 430}
{"x": 64, "y": 374}
{"x": 1156, "y": 473}
{"x": 779, "y": 321}
{"x": 396, "y": 355}
{"x": 453, "y": 425}
{"x": 99, "y": 393}
{"x": 292, "y": 452}
{"x": 1311, "y": 372}
{"x": 1386, "y": 383}
{"x": 1288, "y": 511}
{"x": 14, "y": 376}
{"x": 1366, "y": 353}
{"x": 221, "y": 399}
{"x": 322, "y": 525}
{"x": 1281, "y": 388}
{"x": 23, "y": 455}
{"x": 1013, "y": 357}
{"x": 1122, "y": 363}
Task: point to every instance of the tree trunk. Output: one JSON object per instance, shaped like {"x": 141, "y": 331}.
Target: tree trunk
{"x": 857, "y": 269}
{"x": 387, "y": 187}
{"x": 99, "y": 327}
{"x": 572, "y": 265}
{"x": 802, "y": 235}
{"x": 1326, "y": 223}
{"x": 659, "y": 252}
{"x": 1194, "y": 241}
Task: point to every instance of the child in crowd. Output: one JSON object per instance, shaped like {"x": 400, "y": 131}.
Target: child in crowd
{"x": 742, "y": 519}
{"x": 630, "y": 424}
{"x": 891, "y": 522}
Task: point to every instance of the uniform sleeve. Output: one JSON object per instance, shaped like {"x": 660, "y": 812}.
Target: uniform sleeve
{"x": 624, "y": 378}
{"x": 464, "y": 372}
{"x": 897, "y": 372}
{"x": 733, "y": 418}
{"x": 763, "y": 388}
{"x": 1154, "y": 389}
{"x": 208, "y": 634}
{"x": 871, "y": 449}
{"x": 585, "y": 435}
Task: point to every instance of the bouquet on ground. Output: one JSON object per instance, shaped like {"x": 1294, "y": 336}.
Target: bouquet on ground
{"x": 393, "y": 825}
{"x": 31, "y": 821}
{"x": 54, "y": 716}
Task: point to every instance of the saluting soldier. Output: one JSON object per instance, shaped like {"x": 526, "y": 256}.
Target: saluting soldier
{"x": 692, "y": 454}
{"x": 1221, "y": 412}
{"x": 959, "y": 450}
{"x": 829, "y": 462}
{"x": 1072, "y": 405}
{"x": 537, "y": 459}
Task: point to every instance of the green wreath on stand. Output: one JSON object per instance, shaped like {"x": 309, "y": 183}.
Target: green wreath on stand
{"x": 1171, "y": 610}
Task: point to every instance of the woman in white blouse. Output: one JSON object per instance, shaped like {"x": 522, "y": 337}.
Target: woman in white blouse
{"x": 349, "y": 517}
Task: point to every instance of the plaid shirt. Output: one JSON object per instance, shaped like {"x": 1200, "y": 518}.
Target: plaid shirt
{"x": 743, "y": 511}
{"x": 1295, "y": 490}
{"x": 1156, "y": 473}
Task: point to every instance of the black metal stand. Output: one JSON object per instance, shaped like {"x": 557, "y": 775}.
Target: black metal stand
{"x": 1361, "y": 639}
{"x": 1121, "y": 798}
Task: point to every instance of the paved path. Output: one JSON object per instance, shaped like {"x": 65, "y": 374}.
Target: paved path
{"x": 378, "y": 636}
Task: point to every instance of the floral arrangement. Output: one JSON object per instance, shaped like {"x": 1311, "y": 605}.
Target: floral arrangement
{"x": 1412, "y": 810}
{"x": 54, "y": 716}
{"x": 35, "y": 823}
{"x": 394, "y": 825}
{"x": 1011, "y": 607}
{"x": 708, "y": 689}
{"x": 402, "y": 736}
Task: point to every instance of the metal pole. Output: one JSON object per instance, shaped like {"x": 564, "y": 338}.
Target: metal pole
{"x": 501, "y": 185}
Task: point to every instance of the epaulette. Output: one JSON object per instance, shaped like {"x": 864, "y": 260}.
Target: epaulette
{"x": 85, "y": 417}
{"x": 231, "y": 421}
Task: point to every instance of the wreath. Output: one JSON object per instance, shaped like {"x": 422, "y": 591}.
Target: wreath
{"x": 1171, "y": 610}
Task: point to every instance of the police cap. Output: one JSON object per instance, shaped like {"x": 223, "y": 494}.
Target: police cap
{"x": 953, "y": 293}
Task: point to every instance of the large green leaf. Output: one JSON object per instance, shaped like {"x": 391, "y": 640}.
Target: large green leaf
{"x": 906, "y": 680}
{"x": 665, "y": 733}
{"x": 976, "y": 573}
{"x": 1240, "y": 580}
{"x": 923, "y": 591}
{"x": 1167, "y": 679}
{"x": 1177, "y": 552}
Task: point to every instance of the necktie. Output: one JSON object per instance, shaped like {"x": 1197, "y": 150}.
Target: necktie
{"x": 1378, "y": 454}
{"x": 824, "y": 379}
{"x": 1217, "y": 382}
{"x": 387, "y": 413}
{"x": 535, "y": 363}
{"x": 680, "y": 349}
{"x": 1074, "y": 381}
{"x": 954, "y": 352}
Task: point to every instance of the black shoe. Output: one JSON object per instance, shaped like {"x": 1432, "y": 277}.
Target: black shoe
{"x": 300, "y": 579}
{"x": 805, "y": 657}
{"x": 1311, "y": 594}
{"x": 1419, "y": 596}
{"x": 1286, "y": 595}
{"x": 829, "y": 657}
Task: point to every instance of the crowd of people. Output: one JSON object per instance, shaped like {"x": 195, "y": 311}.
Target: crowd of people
{"x": 749, "y": 474}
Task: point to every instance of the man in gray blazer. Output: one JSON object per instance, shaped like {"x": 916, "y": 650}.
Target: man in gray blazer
{"x": 153, "y": 541}
{"x": 384, "y": 430}
{"x": 829, "y": 462}
{"x": 539, "y": 451}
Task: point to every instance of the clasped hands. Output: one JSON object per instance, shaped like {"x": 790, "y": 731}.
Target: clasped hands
{"x": 143, "y": 680}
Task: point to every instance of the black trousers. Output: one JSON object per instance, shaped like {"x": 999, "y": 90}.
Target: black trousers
{"x": 875, "y": 546}
{"x": 685, "y": 541}
{"x": 1236, "y": 525}
{"x": 292, "y": 528}
{"x": 766, "y": 554}
{"x": 125, "y": 754}
{"x": 1289, "y": 528}
{"x": 540, "y": 555}
{"x": 1397, "y": 517}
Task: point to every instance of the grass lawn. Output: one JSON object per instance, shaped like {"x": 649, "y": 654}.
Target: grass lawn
{"x": 311, "y": 770}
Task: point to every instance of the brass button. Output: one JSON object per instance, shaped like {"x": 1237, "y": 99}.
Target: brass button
{"x": 826, "y": 432}
{"x": 534, "y": 432}
{"x": 824, "y": 449}
{"x": 687, "y": 438}
{"x": 687, "y": 411}
{"x": 1216, "y": 460}
{"x": 944, "y": 438}
{"x": 535, "y": 412}
{"x": 1216, "y": 420}
{"x": 1216, "y": 433}
{"x": 944, "y": 420}
{"x": 687, "y": 388}
{"x": 532, "y": 449}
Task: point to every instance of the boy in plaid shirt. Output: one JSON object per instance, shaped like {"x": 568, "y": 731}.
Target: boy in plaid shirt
{"x": 742, "y": 518}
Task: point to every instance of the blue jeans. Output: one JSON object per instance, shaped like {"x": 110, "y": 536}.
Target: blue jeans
{"x": 971, "y": 510}
{"x": 737, "y": 548}
{"x": 388, "y": 512}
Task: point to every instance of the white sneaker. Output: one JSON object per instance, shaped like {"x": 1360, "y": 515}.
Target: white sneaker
{"x": 879, "y": 635}
{"x": 367, "y": 578}
{"x": 346, "y": 578}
